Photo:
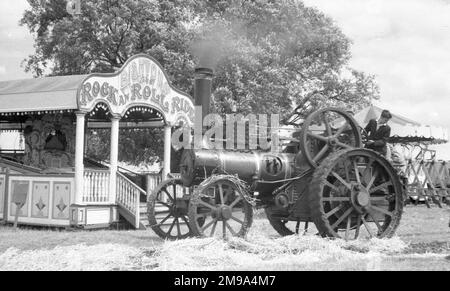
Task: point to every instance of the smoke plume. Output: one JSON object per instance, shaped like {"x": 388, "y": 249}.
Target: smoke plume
{"x": 214, "y": 44}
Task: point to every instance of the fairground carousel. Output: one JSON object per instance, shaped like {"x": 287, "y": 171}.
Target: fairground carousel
{"x": 52, "y": 182}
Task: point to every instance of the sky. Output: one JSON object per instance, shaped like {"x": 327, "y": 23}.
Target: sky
{"x": 16, "y": 42}
{"x": 404, "y": 43}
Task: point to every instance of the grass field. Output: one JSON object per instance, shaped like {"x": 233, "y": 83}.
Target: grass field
{"x": 422, "y": 243}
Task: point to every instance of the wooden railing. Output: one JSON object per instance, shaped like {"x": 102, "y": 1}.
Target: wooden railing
{"x": 128, "y": 197}
{"x": 153, "y": 180}
{"x": 429, "y": 180}
{"x": 96, "y": 187}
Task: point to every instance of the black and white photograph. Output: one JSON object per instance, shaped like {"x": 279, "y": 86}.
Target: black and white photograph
{"x": 216, "y": 139}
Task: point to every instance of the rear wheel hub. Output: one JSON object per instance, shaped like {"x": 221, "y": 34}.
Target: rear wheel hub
{"x": 362, "y": 198}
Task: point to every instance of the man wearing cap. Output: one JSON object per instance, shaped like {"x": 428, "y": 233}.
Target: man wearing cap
{"x": 378, "y": 132}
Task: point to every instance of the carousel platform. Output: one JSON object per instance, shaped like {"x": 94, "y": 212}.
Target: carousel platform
{"x": 45, "y": 197}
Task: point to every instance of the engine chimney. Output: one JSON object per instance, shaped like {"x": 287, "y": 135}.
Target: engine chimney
{"x": 202, "y": 89}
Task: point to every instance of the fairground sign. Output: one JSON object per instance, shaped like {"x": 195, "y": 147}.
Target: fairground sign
{"x": 140, "y": 82}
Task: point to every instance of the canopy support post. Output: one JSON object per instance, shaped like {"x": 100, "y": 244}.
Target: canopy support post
{"x": 167, "y": 147}
{"x": 114, "y": 158}
{"x": 79, "y": 158}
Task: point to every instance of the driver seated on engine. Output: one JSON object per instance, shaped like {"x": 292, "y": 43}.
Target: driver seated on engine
{"x": 378, "y": 132}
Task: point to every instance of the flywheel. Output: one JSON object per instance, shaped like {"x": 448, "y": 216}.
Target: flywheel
{"x": 326, "y": 131}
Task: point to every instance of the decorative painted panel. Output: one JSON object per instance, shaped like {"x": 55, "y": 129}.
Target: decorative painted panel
{"x": 19, "y": 189}
{"x": 2, "y": 195}
{"x": 40, "y": 200}
{"x": 61, "y": 200}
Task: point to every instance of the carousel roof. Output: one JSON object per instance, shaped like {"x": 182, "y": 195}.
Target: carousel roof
{"x": 40, "y": 94}
{"x": 140, "y": 92}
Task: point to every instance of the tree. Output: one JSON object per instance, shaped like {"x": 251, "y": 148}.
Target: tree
{"x": 101, "y": 40}
{"x": 283, "y": 53}
{"x": 268, "y": 56}
{"x": 107, "y": 33}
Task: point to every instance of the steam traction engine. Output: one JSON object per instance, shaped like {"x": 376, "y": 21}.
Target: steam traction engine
{"x": 322, "y": 176}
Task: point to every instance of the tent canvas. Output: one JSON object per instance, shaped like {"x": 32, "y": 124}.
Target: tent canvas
{"x": 402, "y": 129}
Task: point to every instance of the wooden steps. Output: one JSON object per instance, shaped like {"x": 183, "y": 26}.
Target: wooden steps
{"x": 144, "y": 223}
{"x": 143, "y": 217}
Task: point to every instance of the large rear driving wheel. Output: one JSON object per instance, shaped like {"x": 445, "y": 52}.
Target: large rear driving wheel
{"x": 356, "y": 193}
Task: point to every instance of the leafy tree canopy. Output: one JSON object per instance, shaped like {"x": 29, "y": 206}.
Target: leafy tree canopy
{"x": 268, "y": 56}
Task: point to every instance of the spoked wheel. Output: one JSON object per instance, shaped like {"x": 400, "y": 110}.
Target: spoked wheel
{"x": 327, "y": 131}
{"x": 223, "y": 209}
{"x": 283, "y": 225}
{"x": 356, "y": 193}
{"x": 168, "y": 210}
